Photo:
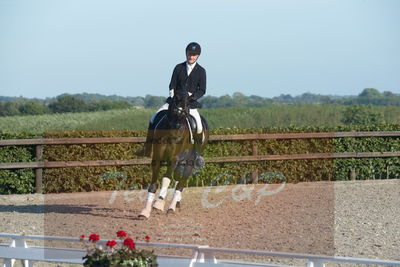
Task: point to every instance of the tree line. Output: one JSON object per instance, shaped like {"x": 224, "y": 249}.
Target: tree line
{"x": 369, "y": 96}
{"x": 95, "y": 102}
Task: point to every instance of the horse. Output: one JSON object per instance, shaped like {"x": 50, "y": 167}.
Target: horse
{"x": 175, "y": 143}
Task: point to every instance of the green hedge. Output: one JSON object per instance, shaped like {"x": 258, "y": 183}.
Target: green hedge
{"x": 109, "y": 178}
{"x": 369, "y": 168}
{"x": 93, "y": 178}
{"x": 19, "y": 181}
{"x": 130, "y": 177}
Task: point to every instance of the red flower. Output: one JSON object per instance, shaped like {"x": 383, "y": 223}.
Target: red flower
{"x": 111, "y": 243}
{"x": 82, "y": 237}
{"x": 129, "y": 243}
{"x": 121, "y": 233}
{"x": 147, "y": 238}
{"x": 94, "y": 237}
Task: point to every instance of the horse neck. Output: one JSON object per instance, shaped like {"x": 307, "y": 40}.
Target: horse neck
{"x": 173, "y": 117}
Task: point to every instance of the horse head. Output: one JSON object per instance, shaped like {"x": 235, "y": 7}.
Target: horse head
{"x": 178, "y": 112}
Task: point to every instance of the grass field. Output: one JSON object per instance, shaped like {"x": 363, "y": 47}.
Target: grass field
{"x": 239, "y": 117}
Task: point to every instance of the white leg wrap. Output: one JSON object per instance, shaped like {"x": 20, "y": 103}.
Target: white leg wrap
{"x": 147, "y": 209}
{"x": 164, "y": 187}
{"x": 150, "y": 197}
{"x": 178, "y": 195}
{"x": 177, "y": 198}
{"x": 160, "y": 202}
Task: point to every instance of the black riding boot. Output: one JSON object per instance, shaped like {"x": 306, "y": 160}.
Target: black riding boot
{"x": 198, "y": 147}
{"x": 198, "y": 142}
{"x": 146, "y": 150}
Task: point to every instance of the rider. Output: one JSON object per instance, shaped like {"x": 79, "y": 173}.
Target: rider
{"x": 187, "y": 78}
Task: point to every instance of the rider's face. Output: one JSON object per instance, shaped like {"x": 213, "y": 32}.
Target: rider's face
{"x": 191, "y": 58}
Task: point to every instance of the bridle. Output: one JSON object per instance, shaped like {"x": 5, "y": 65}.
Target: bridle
{"x": 178, "y": 111}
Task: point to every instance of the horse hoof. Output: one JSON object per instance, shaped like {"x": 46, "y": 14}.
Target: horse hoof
{"x": 170, "y": 211}
{"x": 174, "y": 208}
{"x": 141, "y": 217}
{"x": 159, "y": 204}
{"x": 145, "y": 214}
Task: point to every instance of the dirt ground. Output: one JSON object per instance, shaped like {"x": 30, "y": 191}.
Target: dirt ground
{"x": 316, "y": 218}
{"x": 299, "y": 218}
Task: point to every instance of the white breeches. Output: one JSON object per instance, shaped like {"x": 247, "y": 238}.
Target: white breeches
{"x": 194, "y": 112}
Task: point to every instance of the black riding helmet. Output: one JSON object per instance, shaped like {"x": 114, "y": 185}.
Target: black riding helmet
{"x": 193, "y": 48}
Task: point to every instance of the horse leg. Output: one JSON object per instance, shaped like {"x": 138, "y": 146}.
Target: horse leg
{"x": 176, "y": 200}
{"x": 155, "y": 166}
{"x": 182, "y": 180}
{"x": 145, "y": 213}
{"x": 160, "y": 201}
{"x": 182, "y": 177}
{"x": 159, "y": 204}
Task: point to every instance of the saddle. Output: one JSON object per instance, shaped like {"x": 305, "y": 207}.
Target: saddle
{"x": 159, "y": 124}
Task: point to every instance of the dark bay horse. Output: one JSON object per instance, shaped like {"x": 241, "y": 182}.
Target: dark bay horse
{"x": 176, "y": 144}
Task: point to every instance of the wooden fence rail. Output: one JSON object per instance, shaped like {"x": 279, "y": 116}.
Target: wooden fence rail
{"x": 39, "y": 164}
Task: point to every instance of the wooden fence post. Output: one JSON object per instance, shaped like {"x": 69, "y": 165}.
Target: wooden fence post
{"x": 39, "y": 171}
{"x": 254, "y": 174}
{"x": 353, "y": 174}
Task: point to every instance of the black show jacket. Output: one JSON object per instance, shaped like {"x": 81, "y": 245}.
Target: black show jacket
{"x": 195, "y": 83}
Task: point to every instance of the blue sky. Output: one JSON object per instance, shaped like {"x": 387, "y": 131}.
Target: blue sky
{"x": 257, "y": 47}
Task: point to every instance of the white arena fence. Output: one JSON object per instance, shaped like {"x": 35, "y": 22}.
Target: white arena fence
{"x": 202, "y": 256}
